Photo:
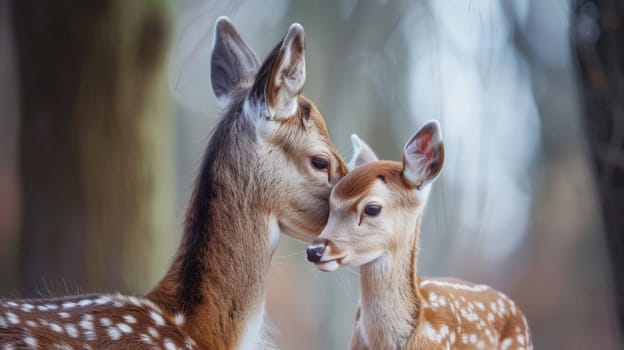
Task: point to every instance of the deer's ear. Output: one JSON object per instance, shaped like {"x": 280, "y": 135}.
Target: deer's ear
{"x": 362, "y": 153}
{"x": 423, "y": 155}
{"x": 281, "y": 77}
{"x": 232, "y": 61}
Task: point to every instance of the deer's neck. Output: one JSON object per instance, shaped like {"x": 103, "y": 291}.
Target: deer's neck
{"x": 217, "y": 280}
{"x": 390, "y": 299}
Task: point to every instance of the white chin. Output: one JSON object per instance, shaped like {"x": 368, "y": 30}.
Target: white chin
{"x": 327, "y": 266}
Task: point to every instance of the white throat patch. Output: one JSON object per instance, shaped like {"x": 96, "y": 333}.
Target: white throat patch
{"x": 253, "y": 330}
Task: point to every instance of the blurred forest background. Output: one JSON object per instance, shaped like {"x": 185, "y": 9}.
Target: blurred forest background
{"x": 106, "y": 107}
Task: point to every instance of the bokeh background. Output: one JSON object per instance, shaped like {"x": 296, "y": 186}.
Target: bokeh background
{"x": 106, "y": 107}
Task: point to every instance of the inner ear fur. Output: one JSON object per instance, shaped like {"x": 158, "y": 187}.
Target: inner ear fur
{"x": 282, "y": 76}
{"x": 423, "y": 155}
{"x": 232, "y": 61}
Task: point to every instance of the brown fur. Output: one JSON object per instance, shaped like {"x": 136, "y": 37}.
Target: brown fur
{"x": 250, "y": 180}
{"x": 52, "y": 328}
{"x": 398, "y": 309}
{"x": 236, "y": 258}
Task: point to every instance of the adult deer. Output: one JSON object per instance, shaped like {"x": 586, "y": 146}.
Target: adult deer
{"x": 269, "y": 167}
{"x": 374, "y": 223}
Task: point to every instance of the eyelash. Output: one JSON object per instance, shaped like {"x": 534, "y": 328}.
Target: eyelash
{"x": 320, "y": 163}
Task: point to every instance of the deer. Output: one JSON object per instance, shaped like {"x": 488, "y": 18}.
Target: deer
{"x": 268, "y": 169}
{"x": 374, "y": 223}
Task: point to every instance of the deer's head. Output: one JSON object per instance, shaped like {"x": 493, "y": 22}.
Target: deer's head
{"x": 295, "y": 163}
{"x": 376, "y": 205}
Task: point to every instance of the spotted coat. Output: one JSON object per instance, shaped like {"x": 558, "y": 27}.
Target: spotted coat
{"x": 91, "y": 322}
{"x": 459, "y": 315}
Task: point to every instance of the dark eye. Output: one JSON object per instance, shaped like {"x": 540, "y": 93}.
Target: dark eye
{"x": 372, "y": 209}
{"x": 320, "y": 163}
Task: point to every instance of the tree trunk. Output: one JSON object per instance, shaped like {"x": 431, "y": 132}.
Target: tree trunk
{"x": 94, "y": 141}
{"x": 598, "y": 34}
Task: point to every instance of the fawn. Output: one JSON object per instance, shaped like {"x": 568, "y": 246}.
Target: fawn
{"x": 269, "y": 168}
{"x": 374, "y": 223}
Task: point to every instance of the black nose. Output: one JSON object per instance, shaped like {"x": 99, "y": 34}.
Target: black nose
{"x": 315, "y": 253}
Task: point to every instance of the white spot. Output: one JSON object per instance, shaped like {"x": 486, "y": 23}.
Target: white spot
{"x": 135, "y": 301}
{"x": 157, "y": 318}
{"x": 12, "y": 318}
{"x": 430, "y": 332}
{"x": 506, "y": 344}
{"x": 9, "y": 346}
{"x": 86, "y": 322}
{"x": 55, "y": 327}
{"x": 129, "y": 319}
{"x": 490, "y": 317}
{"x": 469, "y": 315}
{"x": 114, "y": 333}
{"x": 105, "y": 321}
{"x": 494, "y": 307}
{"x": 169, "y": 345}
{"x": 153, "y": 332}
{"x": 464, "y": 338}
{"x": 526, "y": 333}
{"x": 89, "y": 334}
{"x": 473, "y": 338}
{"x": 501, "y": 307}
{"x": 3, "y": 322}
{"x": 50, "y": 306}
{"x": 490, "y": 336}
{"x": 69, "y": 305}
{"x": 11, "y": 303}
{"x": 31, "y": 342}
{"x": 178, "y": 319}
{"x": 63, "y": 346}
{"x": 85, "y": 302}
{"x": 146, "y": 339}
{"x": 190, "y": 343}
{"x": 71, "y": 330}
{"x": 124, "y": 328}
{"x": 27, "y": 307}
{"x": 520, "y": 339}
{"x": 42, "y": 308}
{"x": 31, "y": 323}
{"x": 103, "y": 300}
{"x": 152, "y": 305}
{"x": 433, "y": 297}
{"x": 63, "y": 315}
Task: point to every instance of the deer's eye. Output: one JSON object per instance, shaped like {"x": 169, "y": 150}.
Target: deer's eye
{"x": 372, "y": 209}
{"x": 320, "y": 162}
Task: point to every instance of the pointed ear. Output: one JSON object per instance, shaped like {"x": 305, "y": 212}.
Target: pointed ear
{"x": 362, "y": 153}
{"x": 232, "y": 61}
{"x": 423, "y": 155}
{"x": 282, "y": 76}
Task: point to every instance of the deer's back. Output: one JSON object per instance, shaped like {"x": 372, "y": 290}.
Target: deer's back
{"x": 90, "y": 322}
{"x": 463, "y": 315}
